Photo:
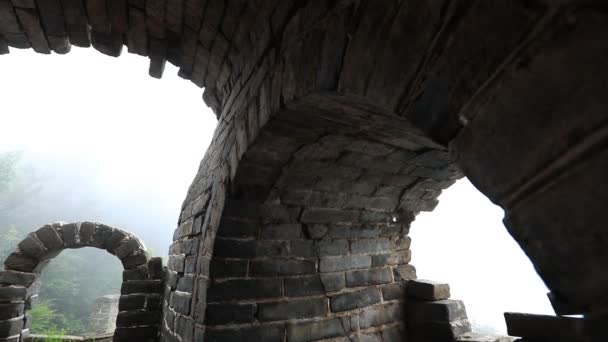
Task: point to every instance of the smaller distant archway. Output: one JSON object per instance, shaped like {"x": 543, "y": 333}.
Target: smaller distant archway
{"x": 141, "y": 291}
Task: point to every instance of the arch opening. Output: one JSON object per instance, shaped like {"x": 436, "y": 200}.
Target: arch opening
{"x": 141, "y": 289}
{"x": 464, "y": 243}
{"x": 79, "y": 294}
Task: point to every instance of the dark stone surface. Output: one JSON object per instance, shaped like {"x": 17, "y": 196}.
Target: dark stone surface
{"x": 230, "y": 313}
{"x": 292, "y": 309}
{"x": 428, "y": 290}
{"x": 354, "y": 299}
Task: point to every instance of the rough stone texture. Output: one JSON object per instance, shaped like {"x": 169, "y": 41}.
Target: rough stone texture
{"x": 137, "y": 317}
{"x": 428, "y": 290}
{"x": 103, "y": 314}
{"x": 347, "y": 118}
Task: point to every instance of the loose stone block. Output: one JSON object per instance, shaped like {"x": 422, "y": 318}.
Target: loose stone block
{"x": 428, "y": 290}
{"x": 355, "y": 299}
{"x": 374, "y": 276}
{"x": 292, "y": 309}
{"x": 544, "y": 327}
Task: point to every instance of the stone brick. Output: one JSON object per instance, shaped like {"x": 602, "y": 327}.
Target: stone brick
{"x": 17, "y": 278}
{"x": 275, "y": 267}
{"x": 126, "y": 247}
{"x": 355, "y": 299}
{"x": 11, "y": 310}
{"x": 285, "y": 231}
{"x": 136, "y": 259}
{"x": 141, "y": 286}
{"x": 132, "y": 302}
{"x": 374, "y": 276}
{"x": 138, "y": 273}
{"x": 380, "y": 314}
{"x": 428, "y": 290}
{"x": 20, "y": 262}
{"x": 241, "y": 289}
{"x": 228, "y": 268}
{"x": 272, "y": 333}
{"x": 137, "y": 318}
{"x": 143, "y": 333}
{"x": 11, "y": 327}
{"x": 447, "y": 310}
{"x": 368, "y": 246}
{"x": 317, "y": 330}
{"x": 303, "y": 286}
{"x": 544, "y": 327}
{"x": 404, "y": 272}
{"x": 32, "y": 247}
{"x": 185, "y": 283}
{"x": 333, "y": 281}
{"x": 344, "y": 263}
{"x": 180, "y": 302}
{"x": 50, "y": 238}
{"x": 12, "y": 294}
{"x": 325, "y": 215}
{"x": 393, "y": 291}
{"x": 185, "y": 327}
{"x": 230, "y": 313}
{"x": 332, "y": 247}
{"x": 292, "y": 309}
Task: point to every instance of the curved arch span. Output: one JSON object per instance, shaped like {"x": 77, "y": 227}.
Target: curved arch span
{"x": 141, "y": 291}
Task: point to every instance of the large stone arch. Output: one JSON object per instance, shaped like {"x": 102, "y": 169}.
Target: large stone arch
{"x": 512, "y": 89}
{"x": 140, "y": 302}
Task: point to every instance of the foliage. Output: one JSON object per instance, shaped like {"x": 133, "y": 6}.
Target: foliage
{"x": 52, "y": 335}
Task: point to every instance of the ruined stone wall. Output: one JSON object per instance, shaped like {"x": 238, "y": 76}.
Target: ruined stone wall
{"x": 139, "y": 306}
{"x": 514, "y": 90}
{"x": 103, "y": 314}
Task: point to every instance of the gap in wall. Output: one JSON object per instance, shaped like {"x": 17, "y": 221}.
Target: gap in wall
{"x": 463, "y": 242}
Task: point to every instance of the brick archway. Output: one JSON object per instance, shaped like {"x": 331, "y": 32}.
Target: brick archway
{"x": 515, "y": 91}
{"x": 141, "y": 291}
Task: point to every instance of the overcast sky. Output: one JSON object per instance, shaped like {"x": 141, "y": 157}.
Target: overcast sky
{"x": 144, "y": 136}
